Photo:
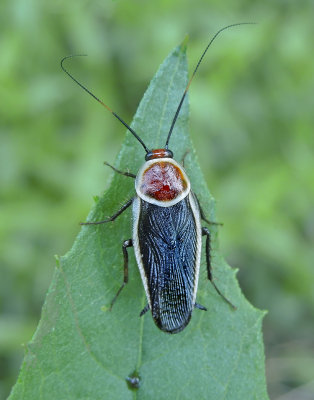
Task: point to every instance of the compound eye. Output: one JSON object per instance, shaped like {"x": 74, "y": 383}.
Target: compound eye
{"x": 158, "y": 153}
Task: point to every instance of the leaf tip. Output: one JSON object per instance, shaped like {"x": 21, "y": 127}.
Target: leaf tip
{"x": 57, "y": 258}
{"x": 184, "y": 44}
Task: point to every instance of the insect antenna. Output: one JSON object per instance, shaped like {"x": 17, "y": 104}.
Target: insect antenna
{"x": 194, "y": 72}
{"x": 99, "y": 101}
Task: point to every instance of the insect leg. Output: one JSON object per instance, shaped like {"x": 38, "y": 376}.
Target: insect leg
{"x": 126, "y": 244}
{"x": 200, "y": 307}
{"x": 203, "y": 216}
{"x": 144, "y": 311}
{"x": 205, "y": 232}
{"x": 120, "y": 172}
{"x": 113, "y": 217}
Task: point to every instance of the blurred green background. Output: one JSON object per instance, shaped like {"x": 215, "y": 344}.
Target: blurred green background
{"x": 252, "y": 124}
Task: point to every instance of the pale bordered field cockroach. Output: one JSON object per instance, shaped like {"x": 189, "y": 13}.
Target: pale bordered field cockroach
{"x": 167, "y": 230}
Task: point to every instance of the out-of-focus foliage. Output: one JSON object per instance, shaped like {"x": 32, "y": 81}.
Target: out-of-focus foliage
{"x": 251, "y": 119}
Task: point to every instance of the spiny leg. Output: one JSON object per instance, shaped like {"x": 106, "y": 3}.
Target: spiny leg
{"x": 120, "y": 172}
{"x": 126, "y": 244}
{"x": 203, "y": 216}
{"x": 205, "y": 232}
{"x": 113, "y": 217}
{"x": 200, "y": 307}
{"x": 144, "y": 311}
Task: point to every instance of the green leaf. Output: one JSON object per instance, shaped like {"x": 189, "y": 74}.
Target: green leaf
{"x": 81, "y": 350}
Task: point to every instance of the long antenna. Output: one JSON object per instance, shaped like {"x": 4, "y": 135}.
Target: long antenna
{"x": 99, "y": 101}
{"x": 194, "y": 72}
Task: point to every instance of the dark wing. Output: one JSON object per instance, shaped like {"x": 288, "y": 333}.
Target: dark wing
{"x": 168, "y": 245}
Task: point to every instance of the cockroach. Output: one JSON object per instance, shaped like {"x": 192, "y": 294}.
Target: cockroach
{"x": 167, "y": 229}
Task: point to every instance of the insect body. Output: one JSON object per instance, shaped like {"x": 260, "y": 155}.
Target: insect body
{"x": 167, "y": 231}
{"x": 167, "y": 240}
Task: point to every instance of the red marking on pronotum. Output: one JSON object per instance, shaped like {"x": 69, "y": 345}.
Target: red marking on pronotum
{"x": 163, "y": 181}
